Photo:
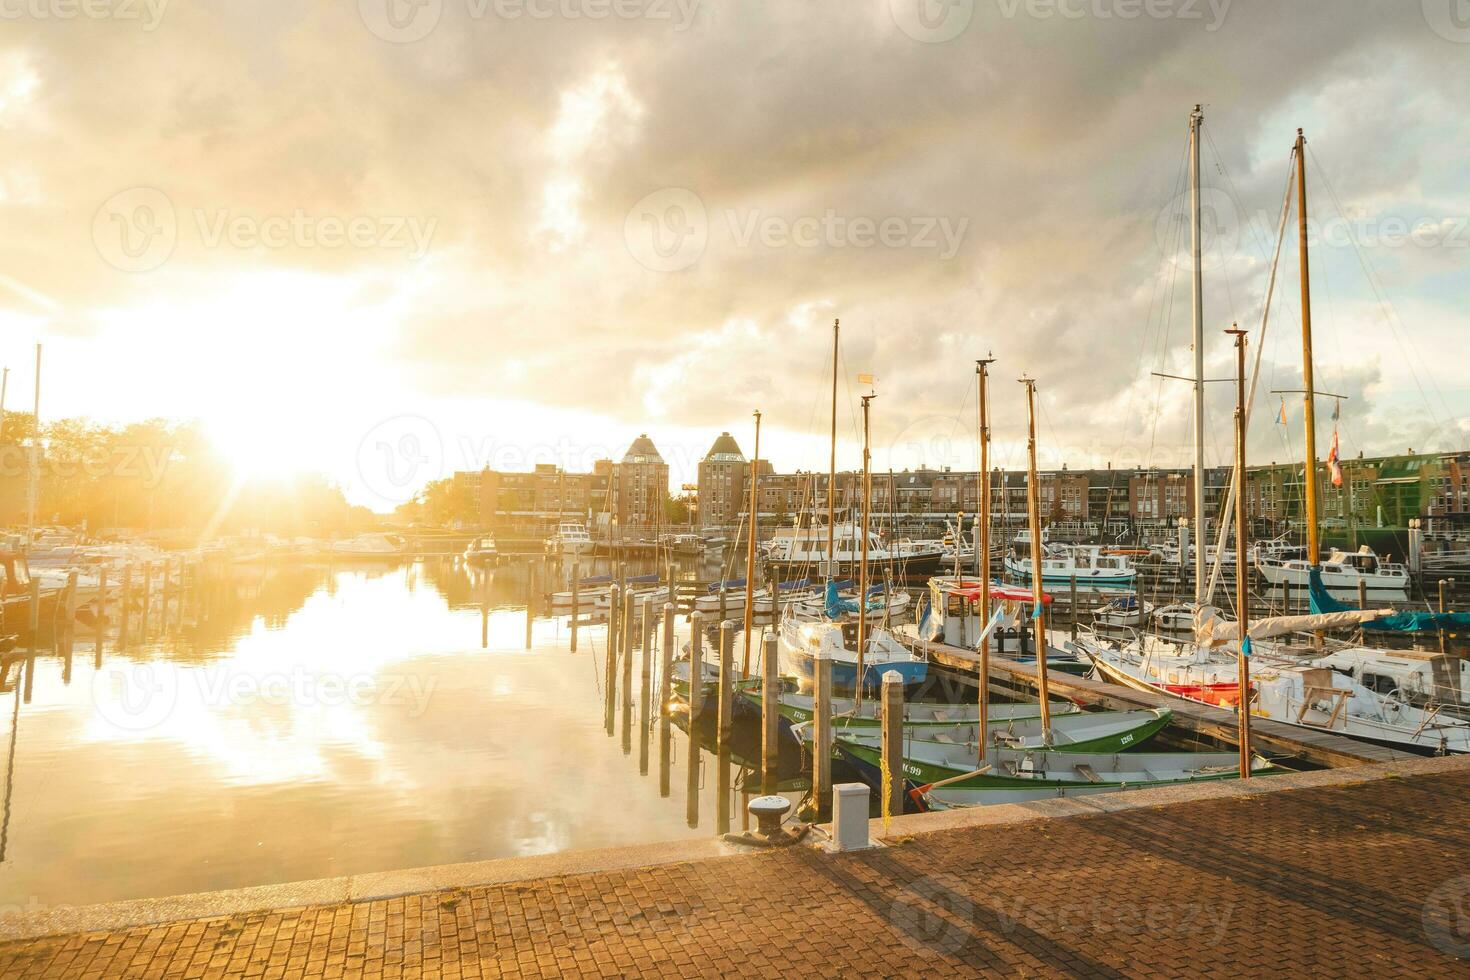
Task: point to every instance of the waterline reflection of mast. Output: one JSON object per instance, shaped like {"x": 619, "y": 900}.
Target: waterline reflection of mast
{"x": 1242, "y": 583}
{"x": 755, "y": 469}
{"x": 1033, "y": 516}
{"x": 982, "y": 545}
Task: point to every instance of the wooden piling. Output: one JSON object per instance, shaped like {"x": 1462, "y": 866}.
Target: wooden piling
{"x": 530, "y": 601}
{"x": 166, "y": 591}
{"x": 35, "y": 613}
{"x": 696, "y": 665}
{"x": 691, "y": 778}
{"x": 770, "y": 714}
{"x": 892, "y": 742}
{"x": 727, "y": 684}
{"x": 64, "y": 628}
{"x": 1072, "y": 605}
{"x": 124, "y": 609}
{"x": 101, "y": 613}
{"x": 576, "y": 600}
{"x": 822, "y": 732}
{"x": 147, "y": 601}
{"x": 666, "y": 662}
{"x": 610, "y": 669}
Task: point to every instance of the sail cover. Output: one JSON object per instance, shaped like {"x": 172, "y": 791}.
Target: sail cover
{"x": 1395, "y": 622}
{"x": 1212, "y": 629}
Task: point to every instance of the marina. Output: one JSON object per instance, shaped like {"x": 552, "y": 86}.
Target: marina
{"x": 889, "y": 488}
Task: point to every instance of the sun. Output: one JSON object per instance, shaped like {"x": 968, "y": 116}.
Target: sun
{"x": 256, "y": 450}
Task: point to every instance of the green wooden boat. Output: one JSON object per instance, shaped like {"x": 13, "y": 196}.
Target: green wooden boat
{"x": 1018, "y": 775}
{"x": 1083, "y": 731}
{"x": 847, "y": 713}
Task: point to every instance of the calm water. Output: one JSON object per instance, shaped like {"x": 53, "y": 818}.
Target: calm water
{"x": 328, "y": 722}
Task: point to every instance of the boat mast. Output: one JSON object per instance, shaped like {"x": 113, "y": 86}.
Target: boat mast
{"x": 862, "y": 630}
{"x": 982, "y": 550}
{"x": 1033, "y": 516}
{"x": 1195, "y": 119}
{"x": 34, "y": 474}
{"x": 755, "y": 461}
{"x": 832, "y": 462}
{"x": 1309, "y": 415}
{"x": 1242, "y": 582}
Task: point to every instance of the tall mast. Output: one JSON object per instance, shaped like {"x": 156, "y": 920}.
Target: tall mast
{"x": 862, "y": 630}
{"x": 1195, "y": 119}
{"x": 832, "y": 462}
{"x": 1033, "y": 515}
{"x": 34, "y": 474}
{"x": 1309, "y": 415}
{"x": 755, "y": 461}
{"x": 1242, "y": 582}
{"x": 982, "y": 549}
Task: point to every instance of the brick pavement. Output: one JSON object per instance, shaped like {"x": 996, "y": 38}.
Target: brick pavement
{"x": 1328, "y": 881}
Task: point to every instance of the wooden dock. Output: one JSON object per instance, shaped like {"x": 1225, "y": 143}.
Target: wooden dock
{"x": 1320, "y": 748}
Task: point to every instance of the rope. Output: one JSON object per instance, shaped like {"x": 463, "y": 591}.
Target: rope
{"x": 887, "y": 791}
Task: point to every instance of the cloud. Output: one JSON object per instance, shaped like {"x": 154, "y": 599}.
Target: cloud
{"x": 827, "y": 148}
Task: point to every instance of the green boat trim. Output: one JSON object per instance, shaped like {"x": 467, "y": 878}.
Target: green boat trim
{"x": 846, "y": 713}
{"x": 1016, "y": 769}
{"x": 1087, "y": 731}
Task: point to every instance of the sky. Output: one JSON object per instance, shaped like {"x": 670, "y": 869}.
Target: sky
{"x": 391, "y": 239}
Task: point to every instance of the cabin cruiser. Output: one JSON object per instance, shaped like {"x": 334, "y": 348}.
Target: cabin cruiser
{"x": 1341, "y": 573}
{"x": 1094, "y": 567}
{"x": 804, "y": 642}
{"x": 481, "y": 551}
{"x": 803, "y": 549}
{"x": 368, "y": 546}
{"x": 1419, "y": 677}
{"x": 571, "y": 538}
{"x": 949, "y": 614}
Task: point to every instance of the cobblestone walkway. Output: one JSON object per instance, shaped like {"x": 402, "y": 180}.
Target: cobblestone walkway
{"x": 1365, "y": 879}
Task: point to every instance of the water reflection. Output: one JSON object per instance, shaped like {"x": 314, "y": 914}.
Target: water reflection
{"x": 311, "y": 721}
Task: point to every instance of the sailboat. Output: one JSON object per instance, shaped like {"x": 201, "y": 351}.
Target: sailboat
{"x": 1280, "y": 685}
{"x": 860, "y": 655}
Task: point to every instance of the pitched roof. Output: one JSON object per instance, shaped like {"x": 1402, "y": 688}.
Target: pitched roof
{"x": 725, "y": 449}
{"x": 642, "y": 451}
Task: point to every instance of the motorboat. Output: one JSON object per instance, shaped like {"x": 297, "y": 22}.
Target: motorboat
{"x": 570, "y": 538}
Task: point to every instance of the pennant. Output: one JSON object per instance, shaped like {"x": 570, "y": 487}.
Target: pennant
{"x": 1281, "y": 415}
{"x": 1337, "y": 410}
{"x": 1332, "y": 464}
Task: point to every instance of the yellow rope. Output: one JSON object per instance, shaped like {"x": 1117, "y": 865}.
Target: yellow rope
{"x": 887, "y": 792}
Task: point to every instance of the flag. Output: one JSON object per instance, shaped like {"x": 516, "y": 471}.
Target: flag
{"x": 1332, "y": 464}
{"x": 1281, "y": 415}
{"x": 865, "y": 379}
{"x": 1337, "y": 410}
